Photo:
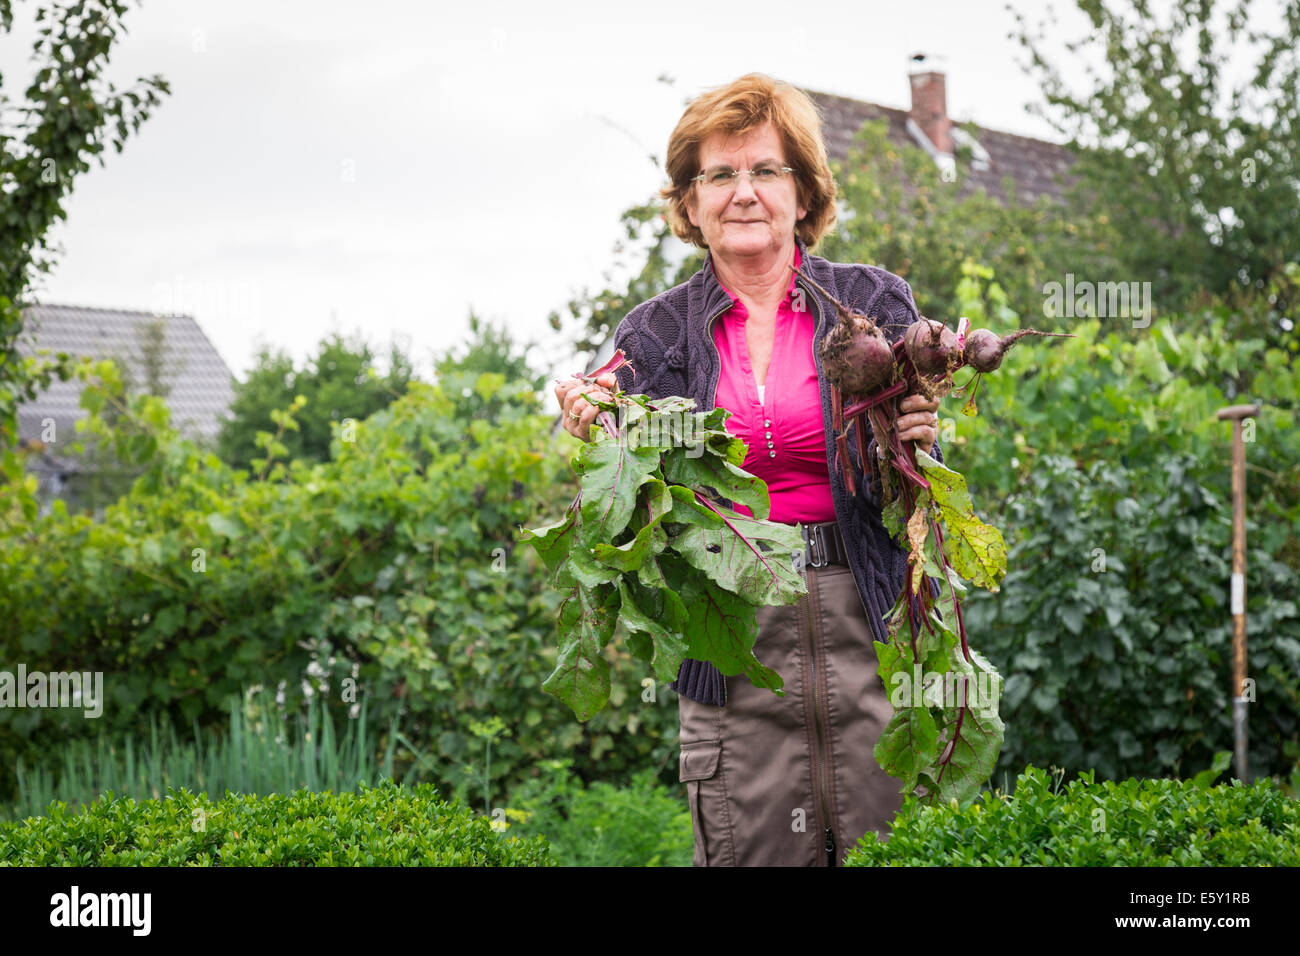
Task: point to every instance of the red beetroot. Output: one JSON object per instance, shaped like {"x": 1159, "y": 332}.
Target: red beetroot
{"x": 931, "y": 346}
{"x": 984, "y": 350}
{"x": 856, "y": 356}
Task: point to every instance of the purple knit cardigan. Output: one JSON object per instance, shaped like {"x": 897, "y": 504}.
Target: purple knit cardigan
{"x": 667, "y": 340}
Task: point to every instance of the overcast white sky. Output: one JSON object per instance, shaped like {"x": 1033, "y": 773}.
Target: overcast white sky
{"x": 384, "y": 167}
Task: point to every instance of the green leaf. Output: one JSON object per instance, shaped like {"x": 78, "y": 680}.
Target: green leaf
{"x": 710, "y": 471}
{"x": 644, "y": 612}
{"x": 650, "y": 539}
{"x": 222, "y": 525}
{"x": 687, "y": 509}
{"x": 906, "y": 745}
{"x": 611, "y": 474}
{"x": 552, "y": 541}
{"x": 586, "y": 570}
{"x": 975, "y": 550}
{"x": 1205, "y": 779}
{"x": 974, "y": 734}
{"x": 754, "y": 559}
{"x": 581, "y": 675}
{"x": 891, "y": 515}
{"x": 651, "y": 574}
{"x": 722, "y": 629}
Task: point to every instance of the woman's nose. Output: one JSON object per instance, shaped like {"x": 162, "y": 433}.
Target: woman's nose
{"x": 744, "y": 188}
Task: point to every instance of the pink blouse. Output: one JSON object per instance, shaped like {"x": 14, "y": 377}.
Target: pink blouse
{"x": 783, "y": 428}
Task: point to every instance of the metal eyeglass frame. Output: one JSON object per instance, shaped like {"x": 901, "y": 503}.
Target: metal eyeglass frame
{"x": 735, "y": 177}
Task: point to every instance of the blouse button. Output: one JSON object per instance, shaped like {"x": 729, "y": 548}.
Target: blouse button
{"x": 771, "y": 444}
{"x": 767, "y": 423}
{"x": 771, "y": 454}
{"x": 767, "y": 435}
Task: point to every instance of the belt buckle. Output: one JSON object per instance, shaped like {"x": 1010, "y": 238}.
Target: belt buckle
{"x": 814, "y": 544}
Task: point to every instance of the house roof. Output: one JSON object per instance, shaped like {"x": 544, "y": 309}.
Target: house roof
{"x": 1032, "y": 164}
{"x": 201, "y": 385}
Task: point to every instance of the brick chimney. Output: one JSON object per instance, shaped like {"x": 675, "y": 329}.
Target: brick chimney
{"x": 930, "y": 106}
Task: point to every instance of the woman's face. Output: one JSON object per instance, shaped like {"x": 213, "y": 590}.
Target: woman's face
{"x": 743, "y": 219}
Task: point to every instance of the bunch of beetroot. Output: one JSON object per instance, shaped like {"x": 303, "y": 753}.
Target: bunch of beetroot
{"x": 942, "y": 743}
{"x": 869, "y": 375}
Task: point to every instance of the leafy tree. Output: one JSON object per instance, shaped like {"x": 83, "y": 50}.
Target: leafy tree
{"x": 66, "y": 117}
{"x": 1200, "y": 175}
{"x": 491, "y": 350}
{"x": 338, "y": 383}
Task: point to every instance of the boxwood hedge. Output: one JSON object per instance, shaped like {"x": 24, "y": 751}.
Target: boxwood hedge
{"x": 1147, "y": 822}
{"x": 386, "y": 825}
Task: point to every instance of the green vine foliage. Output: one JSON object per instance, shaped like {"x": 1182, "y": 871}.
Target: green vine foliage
{"x": 1102, "y": 457}
{"x": 389, "y": 572}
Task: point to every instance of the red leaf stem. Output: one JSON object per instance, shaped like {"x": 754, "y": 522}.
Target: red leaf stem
{"x": 875, "y": 398}
{"x": 956, "y": 604}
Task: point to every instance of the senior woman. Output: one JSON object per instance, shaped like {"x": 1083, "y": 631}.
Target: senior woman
{"x": 771, "y": 780}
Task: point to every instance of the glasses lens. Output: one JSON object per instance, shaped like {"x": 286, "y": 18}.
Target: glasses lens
{"x": 767, "y": 173}
{"x": 719, "y": 175}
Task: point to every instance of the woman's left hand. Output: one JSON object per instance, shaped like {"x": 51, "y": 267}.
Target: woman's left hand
{"x": 919, "y": 421}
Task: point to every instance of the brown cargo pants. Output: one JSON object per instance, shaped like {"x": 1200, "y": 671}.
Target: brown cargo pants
{"x": 768, "y": 776}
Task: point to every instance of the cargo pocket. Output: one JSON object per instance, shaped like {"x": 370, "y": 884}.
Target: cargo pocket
{"x": 698, "y": 770}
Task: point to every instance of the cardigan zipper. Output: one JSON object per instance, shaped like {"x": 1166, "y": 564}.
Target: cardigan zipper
{"x": 708, "y": 334}
{"x": 821, "y": 716}
{"x": 821, "y": 708}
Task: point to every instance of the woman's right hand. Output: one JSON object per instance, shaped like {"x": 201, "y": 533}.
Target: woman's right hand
{"x": 577, "y": 411}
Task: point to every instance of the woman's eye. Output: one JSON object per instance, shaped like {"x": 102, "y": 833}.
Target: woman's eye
{"x": 765, "y": 172}
{"x": 721, "y": 176}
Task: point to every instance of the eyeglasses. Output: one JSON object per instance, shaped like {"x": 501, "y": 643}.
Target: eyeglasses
{"x": 724, "y": 177}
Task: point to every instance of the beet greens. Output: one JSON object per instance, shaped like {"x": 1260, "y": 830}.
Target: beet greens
{"x": 650, "y": 540}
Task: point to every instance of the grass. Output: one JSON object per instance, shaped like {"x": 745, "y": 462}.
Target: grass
{"x": 265, "y": 751}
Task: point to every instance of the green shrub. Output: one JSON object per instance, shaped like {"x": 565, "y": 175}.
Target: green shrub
{"x": 1130, "y": 823}
{"x": 1113, "y": 633}
{"x": 641, "y": 824}
{"x": 386, "y": 825}
{"x": 389, "y": 572}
